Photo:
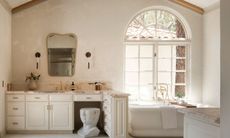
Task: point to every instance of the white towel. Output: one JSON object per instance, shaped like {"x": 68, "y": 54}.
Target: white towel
{"x": 169, "y": 117}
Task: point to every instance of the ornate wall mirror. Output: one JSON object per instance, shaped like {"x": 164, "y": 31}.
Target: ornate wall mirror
{"x": 61, "y": 54}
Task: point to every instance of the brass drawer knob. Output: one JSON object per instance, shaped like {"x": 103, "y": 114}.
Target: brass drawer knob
{"x": 15, "y": 123}
{"x": 15, "y": 108}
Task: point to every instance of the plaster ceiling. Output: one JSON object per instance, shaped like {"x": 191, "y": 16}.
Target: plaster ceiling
{"x": 203, "y": 3}
{"x": 16, "y": 3}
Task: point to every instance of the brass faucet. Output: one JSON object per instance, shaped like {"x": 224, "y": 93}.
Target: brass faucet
{"x": 60, "y": 87}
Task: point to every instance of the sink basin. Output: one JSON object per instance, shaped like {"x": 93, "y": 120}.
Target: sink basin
{"x": 55, "y": 91}
{"x": 46, "y": 91}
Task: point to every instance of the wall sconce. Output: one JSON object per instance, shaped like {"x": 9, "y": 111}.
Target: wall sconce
{"x": 37, "y": 56}
{"x": 88, "y": 55}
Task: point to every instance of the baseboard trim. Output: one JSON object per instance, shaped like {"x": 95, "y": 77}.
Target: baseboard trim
{"x": 39, "y": 132}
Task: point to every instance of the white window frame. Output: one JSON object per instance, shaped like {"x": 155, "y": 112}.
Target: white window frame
{"x": 156, "y": 43}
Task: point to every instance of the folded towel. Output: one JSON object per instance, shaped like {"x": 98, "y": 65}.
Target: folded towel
{"x": 169, "y": 117}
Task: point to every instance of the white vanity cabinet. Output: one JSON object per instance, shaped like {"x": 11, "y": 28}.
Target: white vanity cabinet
{"x": 55, "y": 112}
{"x": 15, "y": 112}
{"x": 61, "y": 112}
{"x": 194, "y": 128}
{"x": 37, "y": 112}
{"x": 116, "y": 114}
{"x": 49, "y": 112}
{"x": 107, "y": 108}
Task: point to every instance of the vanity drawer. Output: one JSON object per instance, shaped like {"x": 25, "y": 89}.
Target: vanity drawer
{"x": 88, "y": 97}
{"x": 15, "y": 108}
{"x": 37, "y": 98}
{"x": 15, "y": 98}
{"x": 15, "y": 123}
{"x": 61, "y": 97}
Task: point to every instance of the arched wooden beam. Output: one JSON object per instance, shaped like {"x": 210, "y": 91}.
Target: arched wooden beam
{"x": 189, "y": 6}
{"x": 26, "y": 5}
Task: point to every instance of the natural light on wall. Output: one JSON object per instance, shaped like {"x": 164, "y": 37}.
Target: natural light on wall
{"x": 156, "y": 65}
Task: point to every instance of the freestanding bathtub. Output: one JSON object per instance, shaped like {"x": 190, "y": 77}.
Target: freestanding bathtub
{"x": 147, "y": 121}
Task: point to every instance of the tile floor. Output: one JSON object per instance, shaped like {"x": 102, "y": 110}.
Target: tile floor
{"x": 46, "y": 136}
{"x": 53, "y": 136}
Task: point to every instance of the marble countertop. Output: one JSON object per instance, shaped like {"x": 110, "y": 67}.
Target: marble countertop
{"x": 108, "y": 92}
{"x": 116, "y": 93}
{"x": 207, "y": 115}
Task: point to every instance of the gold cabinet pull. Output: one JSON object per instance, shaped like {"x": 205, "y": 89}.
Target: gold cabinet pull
{"x": 15, "y": 108}
{"x": 49, "y": 107}
{"x": 15, "y": 97}
{"x": 15, "y": 123}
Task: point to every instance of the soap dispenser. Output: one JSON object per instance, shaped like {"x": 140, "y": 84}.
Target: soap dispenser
{"x": 73, "y": 86}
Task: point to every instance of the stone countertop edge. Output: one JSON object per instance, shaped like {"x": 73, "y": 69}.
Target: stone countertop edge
{"x": 108, "y": 92}
{"x": 207, "y": 115}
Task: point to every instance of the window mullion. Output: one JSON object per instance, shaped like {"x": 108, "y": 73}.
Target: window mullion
{"x": 156, "y": 69}
{"x": 187, "y": 71}
{"x": 172, "y": 72}
{"x": 156, "y": 24}
{"x": 153, "y": 73}
{"x": 139, "y": 93}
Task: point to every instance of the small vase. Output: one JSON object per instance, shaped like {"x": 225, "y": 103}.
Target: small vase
{"x": 32, "y": 85}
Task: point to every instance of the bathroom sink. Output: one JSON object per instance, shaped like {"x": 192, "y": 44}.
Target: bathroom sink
{"x": 56, "y": 91}
{"x": 47, "y": 91}
{"x": 86, "y": 92}
{"x": 59, "y": 92}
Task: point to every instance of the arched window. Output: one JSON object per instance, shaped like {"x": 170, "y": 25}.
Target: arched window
{"x": 156, "y": 65}
{"x": 155, "y": 25}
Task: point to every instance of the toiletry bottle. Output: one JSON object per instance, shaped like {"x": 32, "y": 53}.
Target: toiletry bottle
{"x": 97, "y": 86}
{"x": 72, "y": 86}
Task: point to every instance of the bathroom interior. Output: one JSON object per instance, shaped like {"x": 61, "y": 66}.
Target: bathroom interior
{"x": 114, "y": 69}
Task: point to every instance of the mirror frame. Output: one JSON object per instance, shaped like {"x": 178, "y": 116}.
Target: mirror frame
{"x": 61, "y": 34}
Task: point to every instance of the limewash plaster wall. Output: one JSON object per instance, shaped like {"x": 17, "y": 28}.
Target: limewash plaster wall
{"x": 100, "y": 27}
{"x": 225, "y": 68}
{"x": 5, "y": 44}
{"x": 211, "y": 56}
{"x": 5, "y": 59}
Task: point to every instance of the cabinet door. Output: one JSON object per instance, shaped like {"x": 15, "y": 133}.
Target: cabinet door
{"x": 61, "y": 116}
{"x": 37, "y": 115}
{"x": 119, "y": 117}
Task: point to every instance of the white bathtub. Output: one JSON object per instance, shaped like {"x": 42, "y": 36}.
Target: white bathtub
{"x": 146, "y": 121}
